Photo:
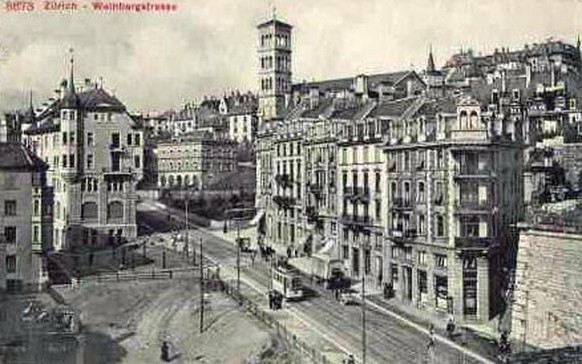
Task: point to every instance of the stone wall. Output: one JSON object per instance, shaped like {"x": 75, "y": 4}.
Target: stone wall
{"x": 570, "y": 157}
{"x": 548, "y": 295}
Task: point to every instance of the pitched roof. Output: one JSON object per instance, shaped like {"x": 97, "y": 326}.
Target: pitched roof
{"x": 16, "y": 157}
{"x": 95, "y": 99}
{"x": 348, "y": 83}
{"x": 314, "y": 113}
{"x": 394, "y": 108}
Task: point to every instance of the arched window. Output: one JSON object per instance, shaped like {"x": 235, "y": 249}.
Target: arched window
{"x": 186, "y": 180}
{"x": 463, "y": 120}
{"x": 474, "y": 120}
{"x": 163, "y": 181}
{"x": 179, "y": 181}
{"x": 89, "y": 210}
{"x": 115, "y": 210}
{"x": 171, "y": 180}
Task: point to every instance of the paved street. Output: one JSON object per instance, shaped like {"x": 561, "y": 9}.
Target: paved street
{"x": 389, "y": 340}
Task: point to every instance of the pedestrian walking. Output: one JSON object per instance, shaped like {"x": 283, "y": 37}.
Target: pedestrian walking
{"x": 431, "y": 339}
{"x": 165, "y": 351}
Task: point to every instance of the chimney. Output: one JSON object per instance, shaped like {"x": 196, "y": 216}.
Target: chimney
{"x": 313, "y": 97}
{"x": 362, "y": 85}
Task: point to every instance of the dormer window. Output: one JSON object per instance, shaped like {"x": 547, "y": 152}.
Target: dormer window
{"x": 515, "y": 95}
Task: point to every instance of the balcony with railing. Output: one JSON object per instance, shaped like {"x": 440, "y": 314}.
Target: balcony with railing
{"x": 473, "y": 171}
{"x": 357, "y": 194}
{"x": 357, "y": 220}
{"x": 284, "y": 202}
{"x": 401, "y": 234}
{"x": 117, "y": 148}
{"x": 473, "y": 206}
{"x": 473, "y": 242}
{"x": 402, "y": 203}
{"x": 118, "y": 171}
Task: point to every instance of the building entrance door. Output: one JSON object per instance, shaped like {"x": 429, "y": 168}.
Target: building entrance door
{"x": 407, "y": 272}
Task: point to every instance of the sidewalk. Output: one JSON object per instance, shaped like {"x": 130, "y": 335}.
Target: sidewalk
{"x": 465, "y": 336}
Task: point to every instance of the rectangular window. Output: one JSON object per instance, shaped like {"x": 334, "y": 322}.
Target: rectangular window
{"x": 137, "y": 161}
{"x": 10, "y": 234}
{"x": 394, "y": 274}
{"x": 422, "y": 257}
{"x": 64, "y": 160}
{"x": 72, "y": 161}
{"x": 72, "y": 137}
{"x": 395, "y": 252}
{"x": 129, "y": 139}
{"x": 89, "y": 161}
{"x": 90, "y": 140}
{"x": 137, "y": 139}
{"x": 440, "y": 260}
{"x": 421, "y": 224}
{"x": 11, "y": 264}
{"x": 64, "y": 138}
{"x": 35, "y": 234}
{"x": 115, "y": 140}
{"x": 10, "y": 207}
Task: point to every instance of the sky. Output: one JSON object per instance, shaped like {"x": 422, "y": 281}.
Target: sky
{"x": 157, "y": 61}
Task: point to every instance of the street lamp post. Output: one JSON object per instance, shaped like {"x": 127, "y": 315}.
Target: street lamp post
{"x": 201, "y": 290}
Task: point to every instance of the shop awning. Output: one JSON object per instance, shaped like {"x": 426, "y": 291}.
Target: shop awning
{"x": 255, "y": 221}
{"x": 328, "y": 246}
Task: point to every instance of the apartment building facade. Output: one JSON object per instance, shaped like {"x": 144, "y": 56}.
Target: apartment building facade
{"x": 94, "y": 150}
{"x": 25, "y": 218}
{"x": 194, "y": 160}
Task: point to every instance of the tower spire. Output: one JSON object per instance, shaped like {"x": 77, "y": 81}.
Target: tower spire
{"x": 430, "y": 64}
{"x": 274, "y": 12}
{"x": 30, "y": 114}
{"x": 70, "y": 99}
{"x": 71, "y": 85}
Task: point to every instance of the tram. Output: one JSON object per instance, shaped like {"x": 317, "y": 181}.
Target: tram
{"x": 287, "y": 282}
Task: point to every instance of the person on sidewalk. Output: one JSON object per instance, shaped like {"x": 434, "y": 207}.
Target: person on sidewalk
{"x": 451, "y": 328}
{"x": 431, "y": 339}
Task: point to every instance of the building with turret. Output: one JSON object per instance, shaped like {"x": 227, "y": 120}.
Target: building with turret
{"x": 94, "y": 150}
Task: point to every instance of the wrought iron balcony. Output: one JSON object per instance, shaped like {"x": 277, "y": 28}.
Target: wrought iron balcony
{"x": 471, "y": 171}
{"x": 399, "y": 234}
{"x": 284, "y": 202}
{"x": 467, "y": 242}
{"x": 474, "y": 206}
{"x": 402, "y": 203}
{"x": 361, "y": 220}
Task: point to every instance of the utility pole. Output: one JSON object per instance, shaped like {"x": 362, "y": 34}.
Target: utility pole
{"x": 187, "y": 242}
{"x": 363, "y": 319}
{"x": 238, "y": 243}
{"x": 201, "y": 290}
